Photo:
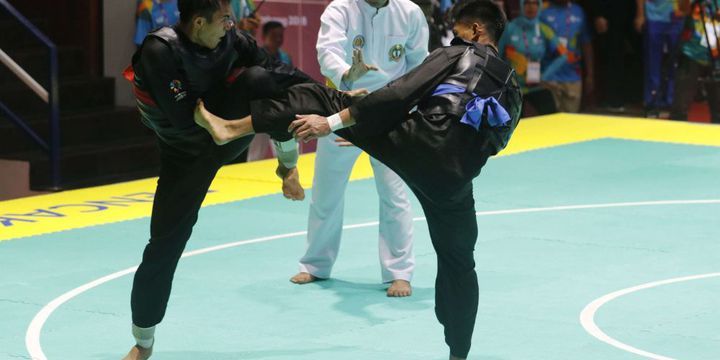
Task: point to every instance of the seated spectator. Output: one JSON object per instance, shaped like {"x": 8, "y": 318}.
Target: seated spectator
{"x": 663, "y": 23}
{"x": 273, "y": 36}
{"x": 698, "y": 60}
{"x": 525, "y": 43}
{"x": 153, "y": 14}
{"x": 435, "y": 17}
{"x": 568, "y": 22}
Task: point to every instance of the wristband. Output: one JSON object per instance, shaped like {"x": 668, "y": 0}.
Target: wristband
{"x": 335, "y": 122}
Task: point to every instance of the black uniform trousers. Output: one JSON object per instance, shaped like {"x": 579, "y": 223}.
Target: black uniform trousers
{"x": 187, "y": 168}
{"x": 184, "y": 181}
{"x": 438, "y": 159}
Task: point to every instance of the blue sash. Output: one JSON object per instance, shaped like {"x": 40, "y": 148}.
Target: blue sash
{"x": 474, "y": 109}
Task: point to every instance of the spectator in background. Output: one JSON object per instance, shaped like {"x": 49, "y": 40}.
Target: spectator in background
{"x": 568, "y": 22}
{"x": 525, "y": 43}
{"x": 619, "y": 23}
{"x": 698, "y": 59}
{"x": 663, "y": 22}
{"x": 435, "y": 17}
{"x": 154, "y": 14}
{"x": 246, "y": 14}
{"x": 273, "y": 35}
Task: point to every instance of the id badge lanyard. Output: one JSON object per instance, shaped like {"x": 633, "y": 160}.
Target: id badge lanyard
{"x": 533, "y": 73}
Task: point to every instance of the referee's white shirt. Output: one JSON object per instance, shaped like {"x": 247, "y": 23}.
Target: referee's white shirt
{"x": 393, "y": 38}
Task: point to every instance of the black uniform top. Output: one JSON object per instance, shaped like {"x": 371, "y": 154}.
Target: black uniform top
{"x": 400, "y": 96}
{"x": 172, "y": 72}
{"x": 431, "y": 150}
{"x": 417, "y": 134}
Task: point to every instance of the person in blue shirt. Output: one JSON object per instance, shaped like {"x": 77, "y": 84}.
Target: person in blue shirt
{"x": 663, "y": 21}
{"x": 569, "y": 23}
{"x": 525, "y": 43}
{"x": 154, "y": 14}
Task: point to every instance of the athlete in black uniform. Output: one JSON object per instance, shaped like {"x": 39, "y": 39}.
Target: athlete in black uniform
{"x": 174, "y": 67}
{"x": 435, "y": 127}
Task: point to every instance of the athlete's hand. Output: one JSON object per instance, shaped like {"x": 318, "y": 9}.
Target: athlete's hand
{"x": 291, "y": 187}
{"x": 359, "y": 68}
{"x": 308, "y": 127}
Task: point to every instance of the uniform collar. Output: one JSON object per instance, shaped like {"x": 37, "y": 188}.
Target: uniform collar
{"x": 369, "y": 9}
{"x": 460, "y": 41}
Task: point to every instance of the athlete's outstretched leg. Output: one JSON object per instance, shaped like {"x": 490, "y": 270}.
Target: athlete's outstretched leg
{"x": 274, "y": 115}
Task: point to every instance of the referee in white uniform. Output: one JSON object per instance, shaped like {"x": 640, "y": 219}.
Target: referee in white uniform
{"x": 363, "y": 44}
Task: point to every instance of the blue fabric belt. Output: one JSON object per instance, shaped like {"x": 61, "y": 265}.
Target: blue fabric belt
{"x": 474, "y": 109}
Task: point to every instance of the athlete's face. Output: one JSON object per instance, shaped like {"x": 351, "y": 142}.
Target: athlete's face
{"x": 208, "y": 32}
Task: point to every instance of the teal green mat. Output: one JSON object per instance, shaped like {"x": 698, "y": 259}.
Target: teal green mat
{"x": 537, "y": 271}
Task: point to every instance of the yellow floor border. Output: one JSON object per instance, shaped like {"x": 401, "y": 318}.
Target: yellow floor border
{"x": 133, "y": 200}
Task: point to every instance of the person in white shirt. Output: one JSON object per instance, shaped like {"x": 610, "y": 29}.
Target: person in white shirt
{"x": 363, "y": 44}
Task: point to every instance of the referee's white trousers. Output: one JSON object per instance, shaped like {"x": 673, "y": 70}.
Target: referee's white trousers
{"x": 333, "y": 165}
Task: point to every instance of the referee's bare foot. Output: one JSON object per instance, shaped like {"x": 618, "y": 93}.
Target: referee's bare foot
{"x": 303, "y": 278}
{"x": 139, "y": 353}
{"x": 399, "y": 288}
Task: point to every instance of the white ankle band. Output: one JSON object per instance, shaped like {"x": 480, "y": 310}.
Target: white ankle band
{"x": 144, "y": 337}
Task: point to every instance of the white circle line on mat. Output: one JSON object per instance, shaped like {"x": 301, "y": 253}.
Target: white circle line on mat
{"x": 587, "y": 316}
{"x": 32, "y": 335}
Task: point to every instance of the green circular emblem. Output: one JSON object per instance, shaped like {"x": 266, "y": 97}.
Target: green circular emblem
{"x": 397, "y": 52}
{"x": 358, "y": 42}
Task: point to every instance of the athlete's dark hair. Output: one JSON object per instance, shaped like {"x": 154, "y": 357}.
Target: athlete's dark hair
{"x": 484, "y": 12}
{"x": 205, "y": 8}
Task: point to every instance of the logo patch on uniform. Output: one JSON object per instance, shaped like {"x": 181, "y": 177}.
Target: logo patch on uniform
{"x": 358, "y": 42}
{"x": 177, "y": 90}
{"x": 397, "y": 52}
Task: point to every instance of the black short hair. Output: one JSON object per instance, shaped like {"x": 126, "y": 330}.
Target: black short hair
{"x": 205, "y": 8}
{"x": 484, "y": 12}
{"x": 271, "y": 25}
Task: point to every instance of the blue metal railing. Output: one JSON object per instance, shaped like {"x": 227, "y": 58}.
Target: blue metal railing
{"x": 52, "y": 146}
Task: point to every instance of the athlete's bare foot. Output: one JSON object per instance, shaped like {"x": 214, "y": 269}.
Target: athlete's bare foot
{"x": 456, "y": 358}
{"x": 399, "y": 288}
{"x": 213, "y": 124}
{"x": 303, "y": 278}
{"x": 139, "y": 353}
